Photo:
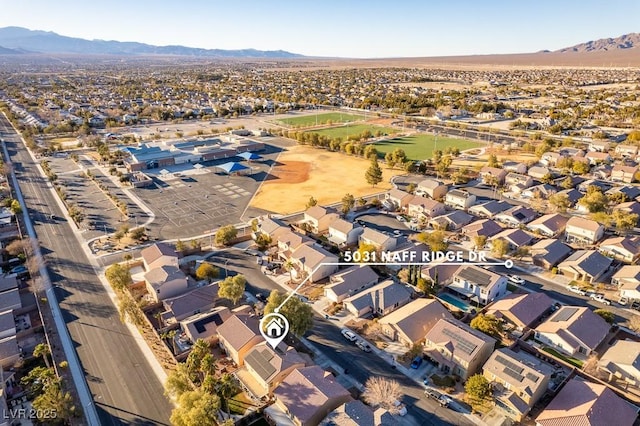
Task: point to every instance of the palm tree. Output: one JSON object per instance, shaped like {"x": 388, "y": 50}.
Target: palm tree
{"x": 288, "y": 266}
{"x": 42, "y": 350}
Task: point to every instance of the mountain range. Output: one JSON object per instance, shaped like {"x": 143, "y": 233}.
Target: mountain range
{"x": 15, "y": 40}
{"x": 627, "y": 41}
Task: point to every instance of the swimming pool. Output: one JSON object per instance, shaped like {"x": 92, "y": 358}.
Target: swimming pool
{"x": 448, "y": 298}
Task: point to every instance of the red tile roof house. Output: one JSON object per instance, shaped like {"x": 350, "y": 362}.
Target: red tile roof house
{"x": 309, "y": 394}
{"x": 573, "y": 330}
{"x": 584, "y": 403}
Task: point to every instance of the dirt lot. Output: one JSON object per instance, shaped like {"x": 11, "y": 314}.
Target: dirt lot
{"x": 305, "y": 172}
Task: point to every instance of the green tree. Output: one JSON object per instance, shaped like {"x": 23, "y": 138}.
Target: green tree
{"x": 39, "y": 378}
{"x": 129, "y": 310}
{"x": 478, "y": 388}
{"x": 374, "y": 173}
{"x": 399, "y": 156}
{"x": 348, "y": 201}
{"x": 311, "y": 203}
{"x": 479, "y": 241}
{"x": 624, "y": 221}
{"x": 435, "y": 240}
{"x": 581, "y": 168}
{"x": 560, "y": 202}
{"x": 298, "y": 313}
{"x": 488, "y": 324}
{"x": 138, "y": 233}
{"x": 608, "y": 316}
{"x": 42, "y": 350}
{"x": 263, "y": 241}
{"x": 492, "y": 161}
{"x": 370, "y": 151}
{"x": 617, "y": 198}
{"x": 381, "y": 392}
{"x": 594, "y": 201}
{"x": 232, "y": 288}
{"x": 178, "y": 381}
{"x": 567, "y": 183}
{"x": 180, "y": 246}
{"x": 196, "y": 408}
{"x": 442, "y": 168}
{"x": 15, "y": 207}
{"x": 499, "y": 247}
{"x": 118, "y": 276}
{"x": 390, "y": 160}
{"x": 207, "y": 271}
{"x": 225, "y": 235}
{"x": 54, "y": 400}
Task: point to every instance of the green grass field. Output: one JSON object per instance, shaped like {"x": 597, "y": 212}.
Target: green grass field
{"x": 322, "y": 118}
{"x": 345, "y": 131}
{"x": 421, "y": 147}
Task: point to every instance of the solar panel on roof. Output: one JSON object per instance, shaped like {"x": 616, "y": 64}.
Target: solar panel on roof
{"x": 564, "y": 314}
{"x": 532, "y": 377}
{"x": 509, "y": 372}
{"x": 460, "y": 342}
{"x": 200, "y": 325}
{"x": 260, "y": 361}
{"x": 476, "y": 276}
{"x": 509, "y": 364}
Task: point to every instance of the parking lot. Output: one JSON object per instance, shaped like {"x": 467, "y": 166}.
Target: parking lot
{"x": 386, "y": 223}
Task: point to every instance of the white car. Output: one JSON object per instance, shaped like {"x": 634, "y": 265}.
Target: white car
{"x": 400, "y": 218}
{"x": 516, "y": 279}
{"x": 600, "y": 298}
{"x": 577, "y": 290}
{"x": 349, "y": 335}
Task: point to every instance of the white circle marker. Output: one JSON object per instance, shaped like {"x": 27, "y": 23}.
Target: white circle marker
{"x": 274, "y": 328}
{"x": 508, "y": 264}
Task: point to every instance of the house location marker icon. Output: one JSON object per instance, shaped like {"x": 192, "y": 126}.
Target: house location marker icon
{"x": 274, "y": 328}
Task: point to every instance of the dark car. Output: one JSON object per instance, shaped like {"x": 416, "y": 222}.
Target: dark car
{"x": 416, "y": 363}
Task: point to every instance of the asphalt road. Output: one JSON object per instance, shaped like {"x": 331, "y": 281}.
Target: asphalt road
{"x": 325, "y": 334}
{"x": 125, "y": 389}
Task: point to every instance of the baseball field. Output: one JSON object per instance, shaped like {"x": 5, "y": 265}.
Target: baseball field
{"x": 421, "y": 147}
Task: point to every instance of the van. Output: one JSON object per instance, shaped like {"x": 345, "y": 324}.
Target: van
{"x": 14, "y": 262}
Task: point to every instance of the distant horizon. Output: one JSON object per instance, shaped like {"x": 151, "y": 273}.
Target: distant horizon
{"x": 356, "y": 30}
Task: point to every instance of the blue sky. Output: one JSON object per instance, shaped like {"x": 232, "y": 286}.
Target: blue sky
{"x": 347, "y": 28}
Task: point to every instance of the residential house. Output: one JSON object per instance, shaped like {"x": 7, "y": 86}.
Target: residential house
{"x": 632, "y": 207}
{"x": 318, "y": 219}
{"x": 627, "y": 174}
{"x": 625, "y": 249}
{"x": 265, "y": 368}
{"x": 584, "y": 403}
{"x": 489, "y": 209}
{"x": 583, "y": 231}
{"x": 289, "y": 241}
{"x": 311, "y": 260}
{"x": 272, "y": 227}
{"x": 515, "y": 167}
{"x": 573, "y": 330}
{"x": 517, "y": 182}
{"x": 478, "y": 284}
{"x": 307, "y": 395}
{"x": 539, "y": 172}
{"x": 515, "y": 238}
{"x": 627, "y": 279}
{"x": 483, "y": 227}
{"x": 573, "y": 195}
{"x": 356, "y": 413}
{"x": 432, "y": 188}
{"x": 193, "y": 302}
{"x": 631, "y": 192}
{"x": 238, "y": 334}
{"x": 378, "y": 240}
{"x": 457, "y": 349}
{"x": 584, "y": 186}
{"x": 397, "y": 199}
{"x": 516, "y": 216}
{"x": 599, "y": 146}
{"x": 381, "y": 299}
{"x": 10, "y": 352}
{"x": 459, "y": 199}
{"x": 425, "y": 208}
{"x": 595, "y": 158}
{"x": 602, "y": 171}
{"x": 519, "y": 381}
{"x": 585, "y": 265}
{"x": 205, "y": 325}
{"x": 410, "y": 323}
{"x": 7, "y": 324}
{"x": 452, "y": 221}
{"x": 626, "y": 150}
{"x": 522, "y": 310}
{"x": 493, "y": 175}
{"x": 622, "y": 362}
{"x": 543, "y": 191}
{"x": 344, "y": 233}
{"x": 166, "y": 281}
{"x": 550, "y": 158}
{"x": 350, "y": 281}
{"x": 158, "y": 254}
{"x": 549, "y": 253}
{"x": 549, "y": 225}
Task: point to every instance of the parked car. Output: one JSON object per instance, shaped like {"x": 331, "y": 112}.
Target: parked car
{"x": 577, "y": 290}
{"x": 400, "y": 408}
{"x": 363, "y": 345}
{"x": 432, "y": 393}
{"x": 21, "y": 269}
{"x": 516, "y": 279}
{"x": 400, "y": 218}
{"x": 600, "y": 298}
{"x": 261, "y": 297}
{"x": 416, "y": 363}
{"x": 349, "y": 335}
{"x": 623, "y": 301}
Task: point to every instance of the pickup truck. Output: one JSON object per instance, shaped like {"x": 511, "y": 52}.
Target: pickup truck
{"x": 600, "y": 298}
